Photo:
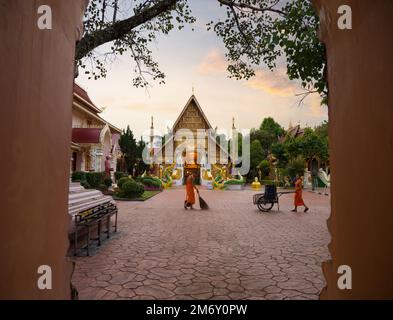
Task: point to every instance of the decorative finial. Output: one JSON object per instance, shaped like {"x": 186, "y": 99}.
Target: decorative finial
{"x": 233, "y": 123}
{"x": 152, "y": 125}
{"x": 193, "y": 89}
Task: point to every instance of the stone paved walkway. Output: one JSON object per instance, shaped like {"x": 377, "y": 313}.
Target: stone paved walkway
{"x": 229, "y": 252}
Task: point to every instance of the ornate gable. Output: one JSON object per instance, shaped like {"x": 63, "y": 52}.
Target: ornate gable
{"x": 192, "y": 117}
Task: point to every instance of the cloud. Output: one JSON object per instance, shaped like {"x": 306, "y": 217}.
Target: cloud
{"x": 316, "y": 109}
{"x": 213, "y": 63}
{"x": 276, "y": 83}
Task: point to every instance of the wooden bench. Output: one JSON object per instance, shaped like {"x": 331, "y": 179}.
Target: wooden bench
{"x": 90, "y": 209}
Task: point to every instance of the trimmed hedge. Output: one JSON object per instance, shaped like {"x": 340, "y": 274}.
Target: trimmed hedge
{"x": 119, "y": 175}
{"x": 95, "y": 179}
{"x": 132, "y": 189}
{"x": 107, "y": 182}
{"x": 151, "y": 182}
{"x": 78, "y": 176}
{"x": 122, "y": 181}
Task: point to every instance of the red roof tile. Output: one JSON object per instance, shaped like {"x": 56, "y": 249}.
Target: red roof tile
{"x": 83, "y": 94}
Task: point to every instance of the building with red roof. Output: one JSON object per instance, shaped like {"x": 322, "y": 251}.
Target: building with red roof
{"x": 93, "y": 138}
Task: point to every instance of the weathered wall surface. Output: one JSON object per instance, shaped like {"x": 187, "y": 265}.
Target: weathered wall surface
{"x": 360, "y": 75}
{"x": 36, "y": 85}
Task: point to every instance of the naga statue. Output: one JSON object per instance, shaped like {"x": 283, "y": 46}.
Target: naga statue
{"x": 221, "y": 181}
{"x": 166, "y": 177}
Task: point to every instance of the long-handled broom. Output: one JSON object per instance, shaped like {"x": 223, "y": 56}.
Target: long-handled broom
{"x": 202, "y": 203}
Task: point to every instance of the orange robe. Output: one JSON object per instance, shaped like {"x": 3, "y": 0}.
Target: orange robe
{"x": 190, "y": 196}
{"x": 298, "y": 193}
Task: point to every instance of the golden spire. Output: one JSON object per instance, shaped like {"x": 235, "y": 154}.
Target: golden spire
{"x": 193, "y": 89}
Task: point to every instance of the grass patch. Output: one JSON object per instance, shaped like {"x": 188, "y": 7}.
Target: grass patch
{"x": 145, "y": 196}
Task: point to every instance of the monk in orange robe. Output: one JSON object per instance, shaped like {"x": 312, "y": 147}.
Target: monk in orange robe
{"x": 190, "y": 195}
{"x": 298, "y": 194}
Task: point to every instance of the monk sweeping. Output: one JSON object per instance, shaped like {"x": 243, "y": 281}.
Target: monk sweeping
{"x": 190, "y": 195}
{"x": 298, "y": 194}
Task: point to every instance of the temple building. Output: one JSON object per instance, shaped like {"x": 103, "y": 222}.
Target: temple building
{"x": 93, "y": 138}
{"x": 188, "y": 146}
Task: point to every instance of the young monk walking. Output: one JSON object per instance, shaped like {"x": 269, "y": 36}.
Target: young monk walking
{"x": 190, "y": 195}
{"x": 298, "y": 194}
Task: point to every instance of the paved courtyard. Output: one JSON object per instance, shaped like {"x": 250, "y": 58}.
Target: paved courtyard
{"x": 231, "y": 251}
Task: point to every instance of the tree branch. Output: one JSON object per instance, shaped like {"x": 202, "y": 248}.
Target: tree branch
{"x": 115, "y": 7}
{"x": 118, "y": 29}
{"x": 231, "y": 3}
{"x": 240, "y": 29}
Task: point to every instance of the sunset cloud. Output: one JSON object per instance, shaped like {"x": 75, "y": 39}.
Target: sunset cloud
{"x": 315, "y": 107}
{"x": 213, "y": 63}
{"x": 276, "y": 83}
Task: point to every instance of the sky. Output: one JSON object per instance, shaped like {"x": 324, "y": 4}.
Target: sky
{"x": 195, "y": 59}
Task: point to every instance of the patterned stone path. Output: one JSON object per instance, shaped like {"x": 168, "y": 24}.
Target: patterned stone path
{"x": 229, "y": 252}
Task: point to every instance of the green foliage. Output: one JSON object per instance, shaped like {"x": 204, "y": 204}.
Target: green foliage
{"x": 254, "y": 32}
{"x": 312, "y": 145}
{"x": 280, "y": 152}
{"x": 322, "y": 130}
{"x": 297, "y": 36}
{"x": 293, "y": 147}
{"x": 267, "y": 134}
{"x": 95, "y": 179}
{"x": 136, "y": 43}
{"x": 256, "y": 153}
{"x": 107, "y": 182}
{"x": 78, "y": 176}
{"x": 85, "y": 184}
{"x": 264, "y": 166}
{"x": 119, "y": 174}
{"x": 102, "y": 187}
{"x": 239, "y": 144}
{"x": 296, "y": 166}
{"x": 123, "y": 180}
{"x": 132, "y": 189}
{"x": 264, "y": 31}
{"x": 271, "y": 127}
{"x": 151, "y": 182}
{"x": 128, "y": 147}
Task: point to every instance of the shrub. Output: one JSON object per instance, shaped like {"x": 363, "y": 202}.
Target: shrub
{"x": 122, "y": 181}
{"x": 103, "y": 187}
{"x": 119, "y": 175}
{"x": 132, "y": 189}
{"x": 151, "y": 182}
{"x": 78, "y": 176}
{"x": 95, "y": 179}
{"x": 85, "y": 184}
{"x": 107, "y": 182}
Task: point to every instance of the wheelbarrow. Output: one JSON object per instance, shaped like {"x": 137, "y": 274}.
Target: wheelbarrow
{"x": 265, "y": 201}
